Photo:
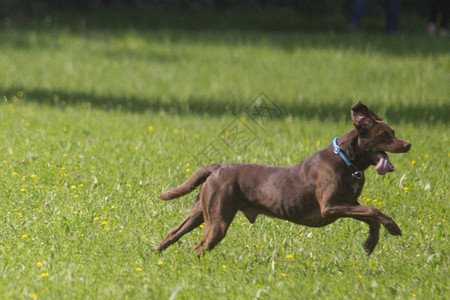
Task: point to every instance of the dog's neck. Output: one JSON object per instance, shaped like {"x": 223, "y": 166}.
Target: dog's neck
{"x": 348, "y": 142}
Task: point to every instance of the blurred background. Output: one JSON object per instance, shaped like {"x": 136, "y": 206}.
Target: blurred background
{"x": 8, "y": 7}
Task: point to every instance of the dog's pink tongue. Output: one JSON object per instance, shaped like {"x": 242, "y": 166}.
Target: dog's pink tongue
{"x": 384, "y": 165}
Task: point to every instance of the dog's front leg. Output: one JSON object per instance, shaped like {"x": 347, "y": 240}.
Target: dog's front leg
{"x": 374, "y": 234}
{"x": 357, "y": 211}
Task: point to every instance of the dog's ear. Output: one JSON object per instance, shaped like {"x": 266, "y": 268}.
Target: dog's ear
{"x": 363, "y": 117}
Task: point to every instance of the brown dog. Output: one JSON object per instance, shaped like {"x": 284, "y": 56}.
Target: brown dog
{"x": 315, "y": 192}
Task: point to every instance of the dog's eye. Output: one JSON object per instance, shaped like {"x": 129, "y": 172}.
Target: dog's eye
{"x": 385, "y": 136}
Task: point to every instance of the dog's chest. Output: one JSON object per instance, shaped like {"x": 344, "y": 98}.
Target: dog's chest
{"x": 357, "y": 187}
{"x": 354, "y": 188}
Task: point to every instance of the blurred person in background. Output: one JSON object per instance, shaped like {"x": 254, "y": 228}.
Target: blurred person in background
{"x": 439, "y": 8}
{"x": 392, "y": 15}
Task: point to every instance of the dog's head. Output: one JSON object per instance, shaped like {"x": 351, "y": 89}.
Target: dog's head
{"x": 375, "y": 138}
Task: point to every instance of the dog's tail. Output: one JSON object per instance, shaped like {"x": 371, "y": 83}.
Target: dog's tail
{"x": 197, "y": 178}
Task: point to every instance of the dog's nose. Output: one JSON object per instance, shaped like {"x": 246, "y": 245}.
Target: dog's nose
{"x": 407, "y": 146}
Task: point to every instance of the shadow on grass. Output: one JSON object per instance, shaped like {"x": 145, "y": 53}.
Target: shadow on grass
{"x": 335, "y": 111}
{"x": 284, "y": 29}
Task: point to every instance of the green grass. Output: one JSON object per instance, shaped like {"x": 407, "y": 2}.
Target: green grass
{"x": 98, "y": 119}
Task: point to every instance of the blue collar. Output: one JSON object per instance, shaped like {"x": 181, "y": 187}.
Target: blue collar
{"x": 357, "y": 174}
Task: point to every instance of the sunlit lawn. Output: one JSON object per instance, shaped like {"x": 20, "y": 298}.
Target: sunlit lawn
{"x": 97, "y": 120}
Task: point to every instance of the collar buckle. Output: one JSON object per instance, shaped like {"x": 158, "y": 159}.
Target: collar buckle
{"x": 336, "y": 149}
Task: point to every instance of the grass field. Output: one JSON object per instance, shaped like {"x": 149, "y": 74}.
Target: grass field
{"x": 101, "y": 113}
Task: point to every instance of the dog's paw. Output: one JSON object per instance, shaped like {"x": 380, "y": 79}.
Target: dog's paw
{"x": 368, "y": 249}
{"x": 392, "y": 228}
{"x": 199, "y": 250}
{"x": 369, "y": 245}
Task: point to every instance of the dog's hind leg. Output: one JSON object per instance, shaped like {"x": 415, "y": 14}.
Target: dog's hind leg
{"x": 192, "y": 221}
{"x": 218, "y": 218}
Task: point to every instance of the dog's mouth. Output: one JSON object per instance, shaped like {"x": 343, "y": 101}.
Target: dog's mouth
{"x": 382, "y": 163}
